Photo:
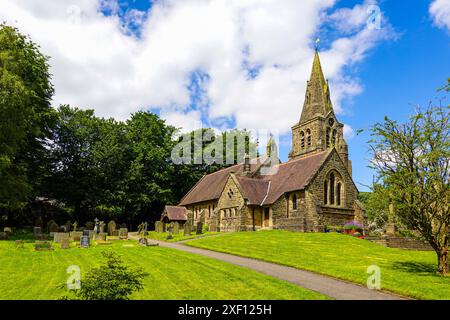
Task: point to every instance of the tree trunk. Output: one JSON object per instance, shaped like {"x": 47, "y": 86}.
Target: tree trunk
{"x": 443, "y": 261}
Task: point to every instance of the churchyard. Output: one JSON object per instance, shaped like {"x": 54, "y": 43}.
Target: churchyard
{"x": 35, "y": 269}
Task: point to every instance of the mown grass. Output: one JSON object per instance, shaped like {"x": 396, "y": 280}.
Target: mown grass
{"x": 162, "y": 236}
{"x": 410, "y": 273}
{"x": 26, "y": 274}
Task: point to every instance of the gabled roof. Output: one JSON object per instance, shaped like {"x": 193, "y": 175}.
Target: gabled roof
{"x": 175, "y": 213}
{"x": 210, "y": 186}
{"x": 293, "y": 175}
{"x": 255, "y": 190}
{"x": 262, "y": 189}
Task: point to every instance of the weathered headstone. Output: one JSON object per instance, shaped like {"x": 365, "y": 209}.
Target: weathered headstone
{"x": 111, "y": 227}
{"x": 199, "y": 228}
{"x": 76, "y": 235}
{"x": 100, "y": 236}
{"x": 8, "y": 230}
{"x": 115, "y": 233}
{"x": 52, "y": 226}
{"x": 59, "y": 237}
{"x": 187, "y": 229}
{"x": 159, "y": 227}
{"x": 102, "y": 227}
{"x": 176, "y": 228}
{"x": 65, "y": 244}
{"x": 3, "y": 236}
{"x": 84, "y": 242}
{"x": 37, "y": 231}
{"x": 123, "y": 233}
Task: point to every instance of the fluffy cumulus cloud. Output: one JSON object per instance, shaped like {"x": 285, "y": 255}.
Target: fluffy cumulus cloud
{"x": 440, "y": 12}
{"x": 212, "y": 62}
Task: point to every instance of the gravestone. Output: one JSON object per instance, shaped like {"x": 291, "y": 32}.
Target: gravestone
{"x": 3, "y": 236}
{"x": 58, "y": 237}
{"x": 100, "y": 236}
{"x": 76, "y": 235}
{"x": 65, "y": 244}
{"x": 187, "y": 229}
{"x": 84, "y": 242}
{"x": 199, "y": 228}
{"x": 159, "y": 227}
{"x": 7, "y": 230}
{"x": 86, "y": 233}
{"x": 52, "y": 226}
{"x": 123, "y": 233}
{"x": 176, "y": 228}
{"x": 115, "y": 233}
{"x": 68, "y": 225}
{"x": 102, "y": 227}
{"x": 37, "y": 231}
{"x": 111, "y": 227}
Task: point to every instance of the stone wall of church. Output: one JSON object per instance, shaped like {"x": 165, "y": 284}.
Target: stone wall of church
{"x": 285, "y": 217}
{"x": 230, "y": 208}
{"x": 333, "y": 215}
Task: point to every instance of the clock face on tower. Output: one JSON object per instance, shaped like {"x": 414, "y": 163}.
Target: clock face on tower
{"x": 331, "y": 122}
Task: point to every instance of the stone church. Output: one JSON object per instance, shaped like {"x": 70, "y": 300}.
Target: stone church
{"x": 313, "y": 189}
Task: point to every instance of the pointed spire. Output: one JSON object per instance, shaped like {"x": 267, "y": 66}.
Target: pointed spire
{"x": 317, "y": 100}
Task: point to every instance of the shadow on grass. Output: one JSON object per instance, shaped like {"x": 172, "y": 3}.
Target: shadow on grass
{"x": 418, "y": 268}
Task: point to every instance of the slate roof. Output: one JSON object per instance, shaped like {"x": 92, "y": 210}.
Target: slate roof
{"x": 210, "y": 186}
{"x": 175, "y": 213}
{"x": 261, "y": 189}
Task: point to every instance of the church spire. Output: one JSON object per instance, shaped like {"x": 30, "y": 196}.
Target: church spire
{"x": 317, "y": 99}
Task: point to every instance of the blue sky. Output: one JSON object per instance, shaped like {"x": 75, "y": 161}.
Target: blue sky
{"x": 239, "y": 63}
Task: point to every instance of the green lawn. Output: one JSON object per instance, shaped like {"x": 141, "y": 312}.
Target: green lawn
{"x": 177, "y": 237}
{"x": 411, "y": 273}
{"x": 27, "y": 274}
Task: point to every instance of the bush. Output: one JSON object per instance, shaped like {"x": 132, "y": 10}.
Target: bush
{"x": 112, "y": 281}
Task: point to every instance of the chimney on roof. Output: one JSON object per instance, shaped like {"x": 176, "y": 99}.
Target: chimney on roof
{"x": 247, "y": 163}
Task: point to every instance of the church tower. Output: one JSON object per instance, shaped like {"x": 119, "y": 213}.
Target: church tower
{"x": 318, "y": 129}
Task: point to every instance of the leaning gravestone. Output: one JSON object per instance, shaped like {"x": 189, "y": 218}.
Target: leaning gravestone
{"x": 159, "y": 227}
{"x": 111, "y": 227}
{"x": 176, "y": 228}
{"x": 199, "y": 228}
{"x": 187, "y": 229}
{"x": 84, "y": 242}
{"x": 123, "y": 233}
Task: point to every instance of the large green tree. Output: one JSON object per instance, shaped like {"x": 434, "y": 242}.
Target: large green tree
{"x": 413, "y": 159}
{"x": 26, "y": 117}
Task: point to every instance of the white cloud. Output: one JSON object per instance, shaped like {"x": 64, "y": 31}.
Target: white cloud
{"x": 440, "y": 12}
{"x": 98, "y": 63}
